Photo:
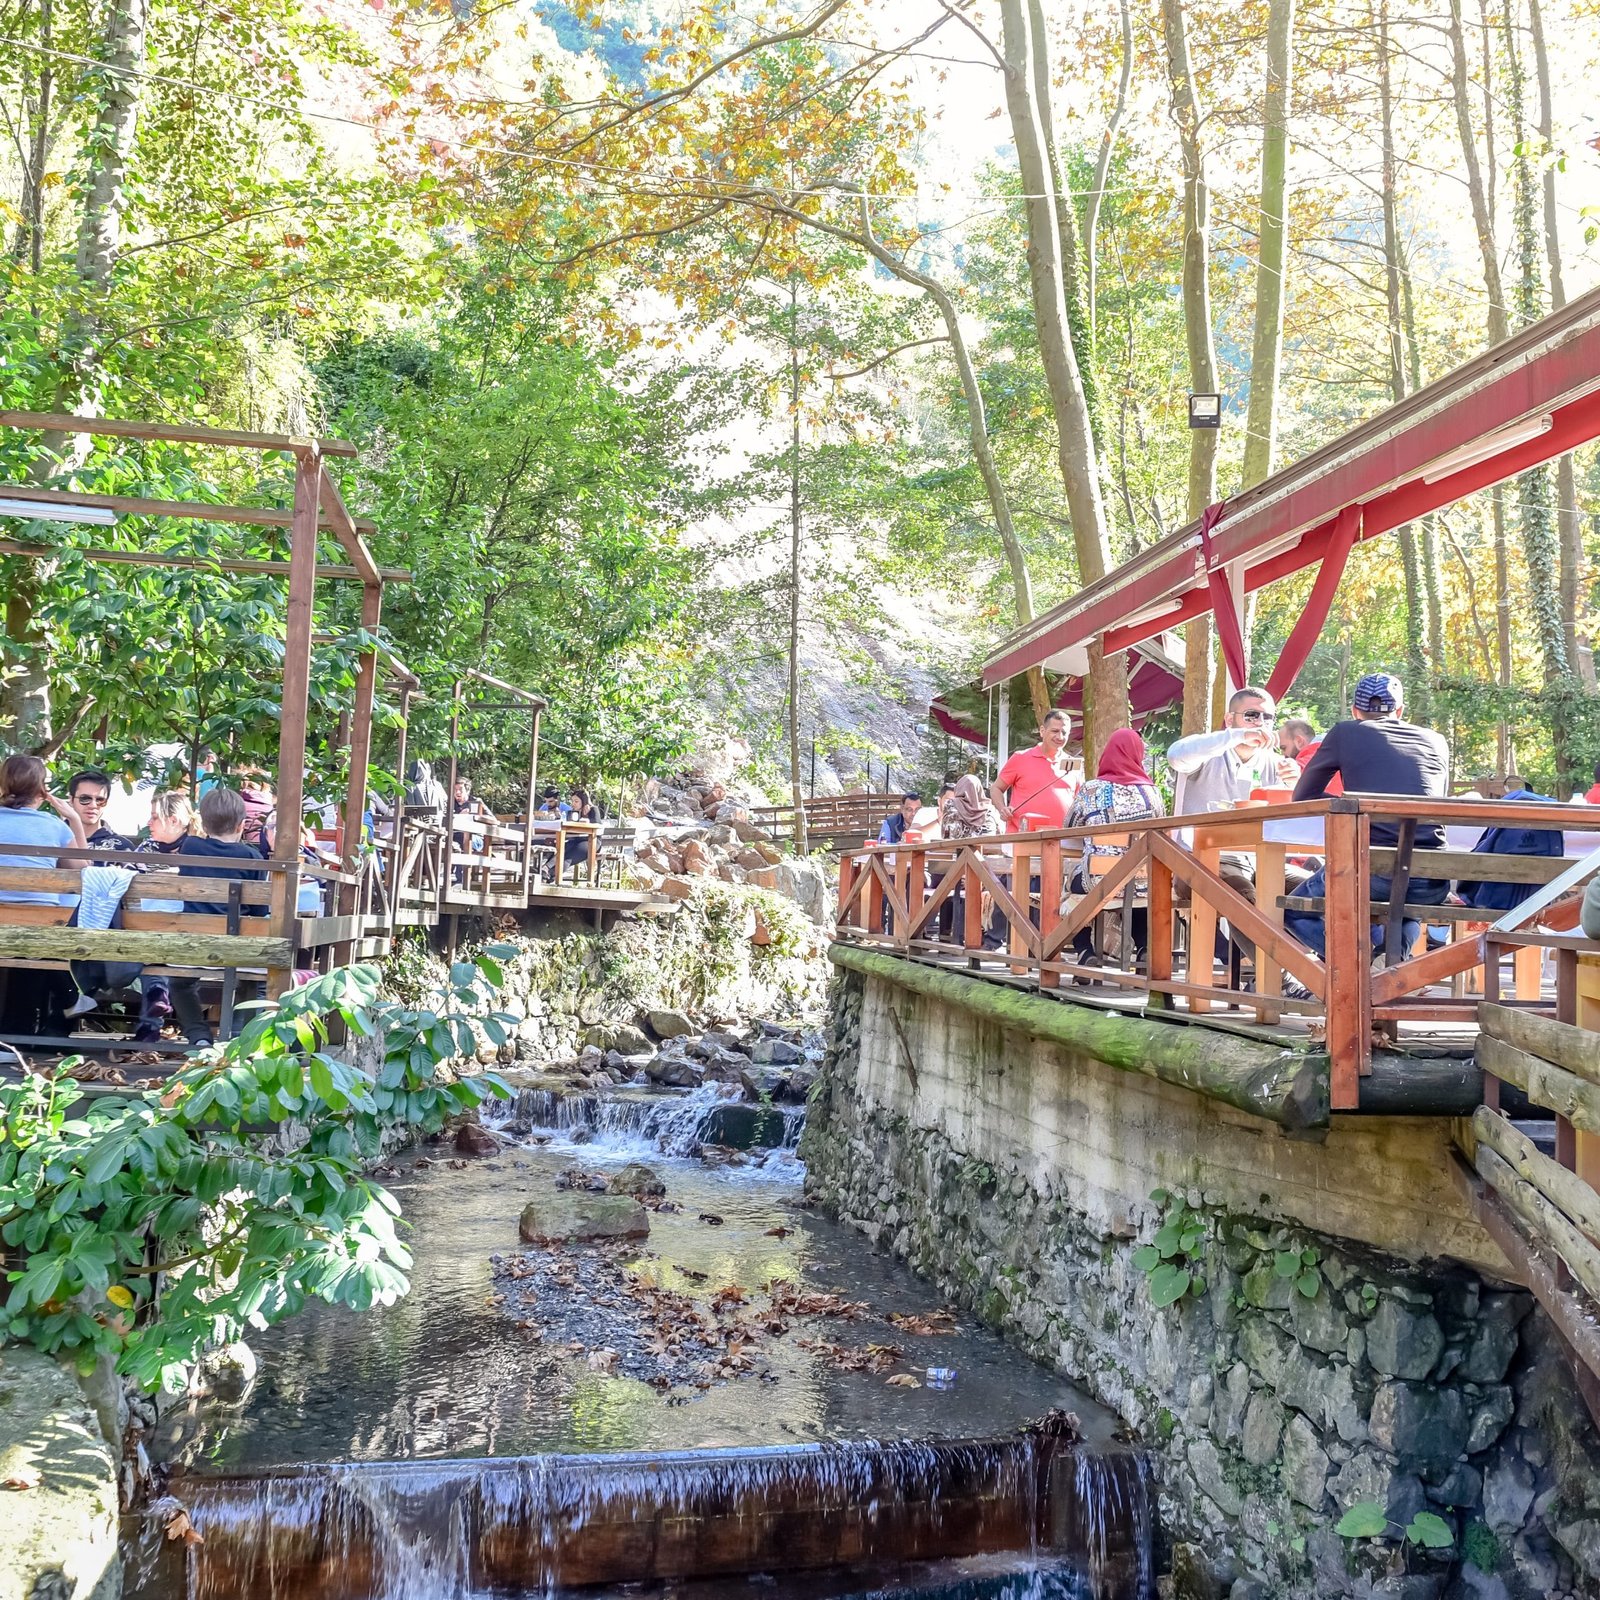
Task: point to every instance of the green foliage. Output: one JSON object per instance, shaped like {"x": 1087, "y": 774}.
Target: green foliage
{"x": 1172, "y": 1260}
{"x": 153, "y": 1226}
{"x": 1366, "y": 1519}
{"x": 1302, "y": 1267}
{"x": 1480, "y": 1546}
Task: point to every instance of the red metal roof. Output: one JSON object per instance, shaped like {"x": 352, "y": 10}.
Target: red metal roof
{"x": 1286, "y": 522}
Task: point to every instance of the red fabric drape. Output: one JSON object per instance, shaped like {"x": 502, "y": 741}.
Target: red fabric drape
{"x": 1229, "y": 630}
{"x": 1297, "y": 647}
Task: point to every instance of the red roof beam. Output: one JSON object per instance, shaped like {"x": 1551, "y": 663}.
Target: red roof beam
{"x": 1466, "y": 408}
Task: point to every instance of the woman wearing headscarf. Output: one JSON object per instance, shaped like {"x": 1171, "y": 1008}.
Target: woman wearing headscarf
{"x": 1120, "y": 791}
{"x": 968, "y": 814}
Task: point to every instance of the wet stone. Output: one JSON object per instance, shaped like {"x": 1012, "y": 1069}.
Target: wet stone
{"x": 1263, "y": 1428}
{"x": 1425, "y": 1428}
{"x": 1305, "y": 1464}
{"x": 1490, "y": 1418}
{"x": 574, "y": 1216}
{"x": 1403, "y": 1342}
{"x": 638, "y": 1180}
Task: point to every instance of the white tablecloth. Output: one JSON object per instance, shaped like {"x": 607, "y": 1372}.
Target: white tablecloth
{"x": 1307, "y": 832}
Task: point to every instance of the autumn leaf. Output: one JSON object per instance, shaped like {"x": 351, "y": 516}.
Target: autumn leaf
{"x": 904, "y": 1380}
{"x": 120, "y": 1296}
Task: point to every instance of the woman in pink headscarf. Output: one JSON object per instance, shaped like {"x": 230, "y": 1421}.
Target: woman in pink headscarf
{"x": 1121, "y": 790}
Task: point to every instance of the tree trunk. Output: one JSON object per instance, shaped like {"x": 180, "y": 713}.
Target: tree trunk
{"x": 25, "y": 685}
{"x": 1482, "y": 216}
{"x": 978, "y": 435}
{"x": 1199, "y": 686}
{"x": 1260, "y": 441}
{"x": 796, "y": 794}
{"x": 1102, "y": 176}
{"x": 1417, "y": 622}
{"x": 1078, "y": 322}
{"x": 1536, "y": 514}
{"x": 1106, "y": 688}
{"x": 1580, "y": 654}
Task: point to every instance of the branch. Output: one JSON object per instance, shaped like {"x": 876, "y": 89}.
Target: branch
{"x": 51, "y": 745}
{"x": 678, "y": 226}
{"x": 801, "y": 30}
{"x": 910, "y": 344}
{"x": 958, "y": 13}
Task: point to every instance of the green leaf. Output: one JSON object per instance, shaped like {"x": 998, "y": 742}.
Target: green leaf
{"x": 1286, "y": 1263}
{"x": 1364, "y": 1520}
{"x": 1159, "y": 1196}
{"x": 1308, "y": 1283}
{"x": 1168, "y": 1283}
{"x": 1147, "y": 1258}
{"x": 1431, "y": 1531}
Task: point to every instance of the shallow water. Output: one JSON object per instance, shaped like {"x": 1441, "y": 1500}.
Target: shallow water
{"x": 445, "y": 1373}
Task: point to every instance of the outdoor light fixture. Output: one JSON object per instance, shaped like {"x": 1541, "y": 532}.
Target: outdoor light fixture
{"x": 1205, "y": 411}
{"x": 52, "y": 511}
{"x": 1469, "y": 455}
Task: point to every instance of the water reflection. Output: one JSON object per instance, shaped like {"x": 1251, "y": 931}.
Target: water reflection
{"x": 445, "y": 1373}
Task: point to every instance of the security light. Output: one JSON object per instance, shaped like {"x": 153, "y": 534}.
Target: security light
{"x": 1205, "y": 411}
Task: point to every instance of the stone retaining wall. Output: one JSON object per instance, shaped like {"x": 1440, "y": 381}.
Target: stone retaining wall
{"x": 1383, "y": 1369}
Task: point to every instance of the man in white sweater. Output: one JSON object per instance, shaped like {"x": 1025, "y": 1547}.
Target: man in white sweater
{"x": 1216, "y": 769}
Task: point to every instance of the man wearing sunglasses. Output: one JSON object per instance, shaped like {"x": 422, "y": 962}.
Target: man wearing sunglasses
{"x": 90, "y": 792}
{"x": 1215, "y": 769}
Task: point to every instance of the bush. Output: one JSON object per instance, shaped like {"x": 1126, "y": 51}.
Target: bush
{"x": 162, "y": 1223}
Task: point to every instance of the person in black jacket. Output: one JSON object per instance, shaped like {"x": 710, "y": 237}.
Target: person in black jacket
{"x": 1514, "y": 841}
{"x": 1377, "y": 752}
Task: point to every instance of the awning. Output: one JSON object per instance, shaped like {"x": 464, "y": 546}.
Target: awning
{"x": 1525, "y": 402}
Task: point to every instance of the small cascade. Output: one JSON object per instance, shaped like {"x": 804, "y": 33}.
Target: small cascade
{"x": 453, "y": 1530}
{"x": 1111, "y": 1519}
{"x": 643, "y": 1122}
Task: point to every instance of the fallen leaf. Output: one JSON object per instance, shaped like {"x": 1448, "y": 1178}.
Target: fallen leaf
{"x": 603, "y": 1360}
{"x": 779, "y": 1233}
{"x": 180, "y": 1527}
{"x": 23, "y": 1478}
{"x": 712, "y": 1218}
{"x": 904, "y": 1380}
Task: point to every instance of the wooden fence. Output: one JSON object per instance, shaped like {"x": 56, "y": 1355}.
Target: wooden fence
{"x": 1135, "y": 910}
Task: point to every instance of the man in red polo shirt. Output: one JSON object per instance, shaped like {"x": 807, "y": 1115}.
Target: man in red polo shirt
{"x": 1034, "y": 784}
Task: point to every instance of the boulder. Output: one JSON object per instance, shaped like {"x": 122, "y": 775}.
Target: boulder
{"x": 668, "y": 1024}
{"x": 638, "y": 1180}
{"x": 676, "y": 888}
{"x": 777, "y": 1053}
{"x": 801, "y": 1081}
{"x": 698, "y": 862}
{"x": 713, "y": 1040}
{"x": 761, "y": 933}
{"x": 750, "y": 859}
{"x": 721, "y": 835}
{"x": 768, "y": 851}
{"x": 676, "y": 1072}
{"x": 229, "y": 1371}
{"x": 569, "y": 1216}
{"x": 1402, "y": 1341}
{"x": 631, "y": 1041}
{"x": 748, "y": 832}
{"x": 725, "y": 1066}
{"x": 473, "y": 1139}
{"x": 764, "y": 1082}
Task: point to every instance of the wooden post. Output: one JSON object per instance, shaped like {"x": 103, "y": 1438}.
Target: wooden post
{"x": 1162, "y": 932}
{"x": 355, "y": 794}
{"x": 1051, "y": 887}
{"x": 971, "y": 905}
{"x": 291, "y": 784}
{"x": 533, "y": 795}
{"x": 1348, "y": 957}
{"x": 847, "y": 881}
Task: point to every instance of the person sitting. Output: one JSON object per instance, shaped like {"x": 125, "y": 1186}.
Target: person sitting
{"x": 171, "y": 822}
{"x": 1121, "y": 790}
{"x": 425, "y": 794}
{"x": 33, "y": 1002}
{"x": 90, "y": 794}
{"x": 260, "y": 806}
{"x": 581, "y": 808}
{"x": 1516, "y": 840}
{"x": 1215, "y": 771}
{"x": 1592, "y": 794}
{"x": 1299, "y": 741}
{"x": 968, "y": 814}
{"x": 220, "y": 853}
{"x": 1376, "y": 752}
{"x": 551, "y": 804}
{"x": 1034, "y": 789}
{"x": 893, "y": 830}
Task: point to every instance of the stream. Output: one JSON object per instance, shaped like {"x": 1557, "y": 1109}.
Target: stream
{"x": 391, "y": 1454}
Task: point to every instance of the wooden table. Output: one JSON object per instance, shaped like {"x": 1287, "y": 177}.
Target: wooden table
{"x": 565, "y": 828}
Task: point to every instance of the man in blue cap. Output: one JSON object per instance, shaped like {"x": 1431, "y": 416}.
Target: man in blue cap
{"x": 1376, "y": 753}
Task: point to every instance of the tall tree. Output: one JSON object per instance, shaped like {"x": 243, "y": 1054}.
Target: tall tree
{"x": 1569, "y": 525}
{"x": 1106, "y": 697}
{"x": 1199, "y": 339}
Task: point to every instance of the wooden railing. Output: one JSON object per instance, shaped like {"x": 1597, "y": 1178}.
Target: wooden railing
{"x": 1006, "y": 907}
{"x": 832, "y": 818}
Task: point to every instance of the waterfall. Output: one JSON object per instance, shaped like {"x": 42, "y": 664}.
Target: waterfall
{"x": 640, "y": 1123}
{"x": 455, "y": 1530}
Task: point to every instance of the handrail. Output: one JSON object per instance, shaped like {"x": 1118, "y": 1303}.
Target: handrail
{"x": 1004, "y": 906}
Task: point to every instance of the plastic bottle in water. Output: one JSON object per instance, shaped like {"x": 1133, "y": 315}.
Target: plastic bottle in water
{"x": 941, "y": 1377}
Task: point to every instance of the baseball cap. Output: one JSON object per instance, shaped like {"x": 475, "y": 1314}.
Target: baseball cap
{"x": 1378, "y": 691}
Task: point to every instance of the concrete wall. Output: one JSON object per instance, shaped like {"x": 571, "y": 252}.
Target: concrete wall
{"x": 1018, "y": 1175}
{"x": 1111, "y": 1137}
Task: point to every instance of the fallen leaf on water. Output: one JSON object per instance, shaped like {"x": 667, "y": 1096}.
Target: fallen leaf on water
{"x": 603, "y": 1360}
{"x": 691, "y": 1274}
{"x": 931, "y": 1323}
{"x": 779, "y": 1233}
{"x": 904, "y": 1380}
{"x": 23, "y": 1478}
{"x": 712, "y": 1218}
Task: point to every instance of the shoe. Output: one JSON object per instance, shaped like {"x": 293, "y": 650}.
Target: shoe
{"x": 1293, "y": 989}
{"x": 82, "y": 1006}
{"x": 157, "y": 1005}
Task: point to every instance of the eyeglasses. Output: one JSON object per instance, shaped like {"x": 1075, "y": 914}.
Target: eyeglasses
{"x": 89, "y": 800}
{"x": 1267, "y": 717}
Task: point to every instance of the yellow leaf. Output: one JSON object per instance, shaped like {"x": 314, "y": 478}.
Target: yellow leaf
{"x": 120, "y": 1296}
